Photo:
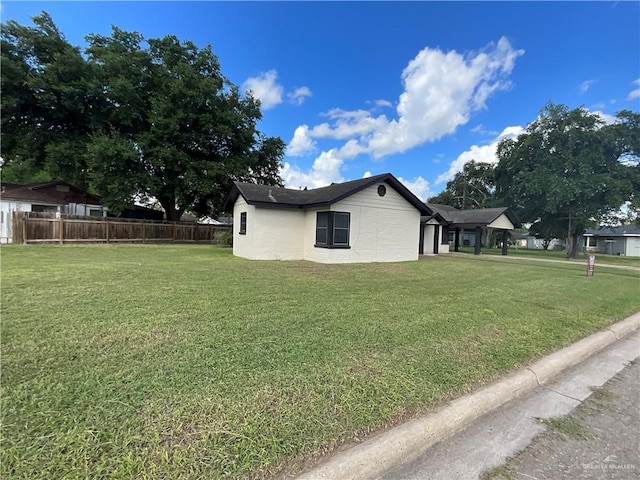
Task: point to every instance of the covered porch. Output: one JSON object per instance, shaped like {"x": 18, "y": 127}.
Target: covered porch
{"x": 480, "y": 222}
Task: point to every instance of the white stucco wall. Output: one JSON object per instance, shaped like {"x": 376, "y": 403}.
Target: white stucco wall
{"x": 382, "y": 229}
{"x": 632, "y": 247}
{"x": 429, "y": 233}
{"x": 7, "y": 207}
{"x": 272, "y": 234}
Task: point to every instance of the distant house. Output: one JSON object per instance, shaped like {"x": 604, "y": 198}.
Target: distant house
{"x": 624, "y": 240}
{"x": 528, "y": 241}
{"x": 374, "y": 219}
{"x": 49, "y": 197}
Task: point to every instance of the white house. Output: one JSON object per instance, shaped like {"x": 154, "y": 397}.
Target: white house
{"x": 624, "y": 240}
{"x": 374, "y": 219}
{"x": 49, "y": 197}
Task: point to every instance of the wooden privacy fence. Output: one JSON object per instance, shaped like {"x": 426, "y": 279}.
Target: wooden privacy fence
{"x": 36, "y": 227}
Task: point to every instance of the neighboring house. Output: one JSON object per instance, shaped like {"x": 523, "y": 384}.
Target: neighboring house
{"x": 374, "y": 219}
{"x": 50, "y": 197}
{"x": 467, "y": 227}
{"x": 624, "y": 240}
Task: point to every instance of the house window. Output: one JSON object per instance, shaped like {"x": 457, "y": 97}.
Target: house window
{"x": 590, "y": 241}
{"x": 332, "y": 229}
{"x": 243, "y": 223}
{"x": 44, "y": 208}
{"x": 95, "y": 212}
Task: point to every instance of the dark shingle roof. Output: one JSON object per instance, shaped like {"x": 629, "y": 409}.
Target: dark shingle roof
{"x": 472, "y": 218}
{"x": 614, "y": 231}
{"x": 268, "y": 196}
{"x": 46, "y": 193}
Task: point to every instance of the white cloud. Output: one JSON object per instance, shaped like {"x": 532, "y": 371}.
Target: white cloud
{"x": 584, "y": 86}
{"x": 608, "y": 119}
{"x": 418, "y": 186}
{"x": 265, "y": 88}
{"x": 367, "y": 174}
{"x": 633, "y": 94}
{"x": 441, "y": 92}
{"x": 298, "y": 96}
{"x": 481, "y": 154}
{"x": 383, "y": 103}
{"x": 325, "y": 170}
{"x": 301, "y": 143}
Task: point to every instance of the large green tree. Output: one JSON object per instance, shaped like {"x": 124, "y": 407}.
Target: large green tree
{"x": 49, "y": 100}
{"x": 134, "y": 118}
{"x": 564, "y": 171}
{"x": 473, "y": 187}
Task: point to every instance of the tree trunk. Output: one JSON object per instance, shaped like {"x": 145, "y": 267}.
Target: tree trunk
{"x": 572, "y": 245}
{"x": 172, "y": 213}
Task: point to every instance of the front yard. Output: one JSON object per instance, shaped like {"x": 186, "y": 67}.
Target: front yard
{"x": 180, "y": 361}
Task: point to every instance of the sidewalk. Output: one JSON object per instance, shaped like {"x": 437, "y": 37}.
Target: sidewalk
{"x": 456, "y": 442}
{"x": 550, "y": 260}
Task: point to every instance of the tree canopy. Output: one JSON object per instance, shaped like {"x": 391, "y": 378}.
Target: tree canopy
{"x": 471, "y": 188}
{"x": 131, "y": 119}
{"x": 565, "y": 171}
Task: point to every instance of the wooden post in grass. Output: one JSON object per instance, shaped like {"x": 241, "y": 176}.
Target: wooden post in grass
{"x": 61, "y": 226}
{"x": 25, "y": 218}
{"x": 478, "y": 243}
{"x": 505, "y": 241}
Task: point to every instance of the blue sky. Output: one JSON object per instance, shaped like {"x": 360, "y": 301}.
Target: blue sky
{"x": 412, "y": 88}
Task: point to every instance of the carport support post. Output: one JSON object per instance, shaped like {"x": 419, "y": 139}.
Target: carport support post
{"x": 478, "y": 242}
{"x": 505, "y": 241}
{"x": 456, "y": 242}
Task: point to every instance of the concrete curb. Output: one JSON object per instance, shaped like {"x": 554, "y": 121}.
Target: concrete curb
{"x": 406, "y": 442}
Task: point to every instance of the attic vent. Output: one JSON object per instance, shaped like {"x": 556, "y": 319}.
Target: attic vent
{"x": 62, "y": 188}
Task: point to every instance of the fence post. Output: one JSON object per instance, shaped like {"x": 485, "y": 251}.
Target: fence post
{"x": 107, "y": 234}
{"x": 61, "y": 223}
{"x": 173, "y": 232}
{"x": 195, "y": 233}
{"x": 25, "y": 217}
{"x": 143, "y": 230}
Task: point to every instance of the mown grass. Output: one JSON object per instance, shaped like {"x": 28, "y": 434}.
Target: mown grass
{"x": 180, "y": 361}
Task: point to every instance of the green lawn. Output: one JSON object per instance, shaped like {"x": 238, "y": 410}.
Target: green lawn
{"x": 601, "y": 258}
{"x": 179, "y": 361}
